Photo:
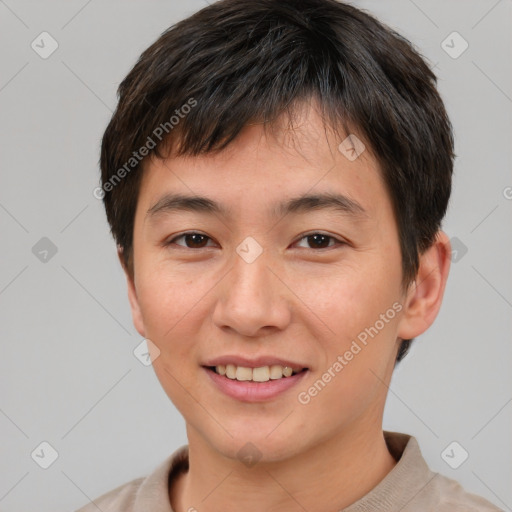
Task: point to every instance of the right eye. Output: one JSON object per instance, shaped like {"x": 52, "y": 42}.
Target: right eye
{"x": 193, "y": 240}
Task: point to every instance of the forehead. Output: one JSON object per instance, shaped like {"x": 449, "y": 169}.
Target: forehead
{"x": 290, "y": 169}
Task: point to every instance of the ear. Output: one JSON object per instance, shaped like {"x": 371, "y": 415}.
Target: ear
{"x": 425, "y": 295}
{"x": 132, "y": 295}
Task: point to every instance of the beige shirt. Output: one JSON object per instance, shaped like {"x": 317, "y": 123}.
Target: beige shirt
{"x": 409, "y": 487}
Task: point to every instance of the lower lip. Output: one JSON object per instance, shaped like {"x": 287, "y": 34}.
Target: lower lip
{"x": 248, "y": 391}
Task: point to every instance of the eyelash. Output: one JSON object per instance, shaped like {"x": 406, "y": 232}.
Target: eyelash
{"x": 307, "y": 235}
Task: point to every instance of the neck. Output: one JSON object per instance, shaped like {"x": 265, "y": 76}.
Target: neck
{"x": 329, "y": 476}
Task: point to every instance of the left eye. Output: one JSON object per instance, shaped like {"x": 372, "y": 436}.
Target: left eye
{"x": 320, "y": 241}
{"x": 195, "y": 240}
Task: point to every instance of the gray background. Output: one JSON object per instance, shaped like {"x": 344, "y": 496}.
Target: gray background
{"x": 68, "y": 373}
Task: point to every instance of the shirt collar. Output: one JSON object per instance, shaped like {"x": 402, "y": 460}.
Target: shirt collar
{"x": 403, "y": 483}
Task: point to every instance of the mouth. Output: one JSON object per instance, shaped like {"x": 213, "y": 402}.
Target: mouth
{"x": 255, "y": 384}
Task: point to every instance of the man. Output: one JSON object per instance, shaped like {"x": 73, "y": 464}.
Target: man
{"x": 275, "y": 176}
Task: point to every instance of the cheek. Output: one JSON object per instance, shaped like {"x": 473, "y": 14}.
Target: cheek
{"x": 351, "y": 299}
{"x": 172, "y": 310}
{"x": 167, "y": 298}
{"x": 361, "y": 311}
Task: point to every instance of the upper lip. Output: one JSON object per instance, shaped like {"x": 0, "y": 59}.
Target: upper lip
{"x": 256, "y": 362}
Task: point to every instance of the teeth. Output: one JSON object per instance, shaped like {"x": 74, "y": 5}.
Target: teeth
{"x": 261, "y": 374}
{"x": 243, "y": 373}
{"x": 276, "y": 371}
{"x": 230, "y": 371}
{"x": 287, "y": 371}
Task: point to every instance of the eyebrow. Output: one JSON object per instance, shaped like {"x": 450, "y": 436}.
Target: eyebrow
{"x": 302, "y": 204}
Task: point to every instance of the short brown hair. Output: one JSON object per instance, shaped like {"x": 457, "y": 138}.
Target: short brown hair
{"x": 240, "y": 61}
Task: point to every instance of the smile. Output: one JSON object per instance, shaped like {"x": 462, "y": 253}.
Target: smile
{"x": 257, "y": 384}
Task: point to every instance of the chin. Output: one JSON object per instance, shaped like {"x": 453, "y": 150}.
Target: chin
{"x": 253, "y": 446}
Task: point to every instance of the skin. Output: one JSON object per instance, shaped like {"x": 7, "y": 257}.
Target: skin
{"x": 296, "y": 301}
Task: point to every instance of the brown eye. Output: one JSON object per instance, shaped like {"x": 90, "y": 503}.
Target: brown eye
{"x": 320, "y": 241}
{"x": 192, "y": 240}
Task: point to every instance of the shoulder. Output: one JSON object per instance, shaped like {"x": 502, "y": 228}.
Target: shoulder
{"x": 144, "y": 493}
{"x": 121, "y": 498}
{"x": 451, "y": 496}
{"x": 411, "y": 486}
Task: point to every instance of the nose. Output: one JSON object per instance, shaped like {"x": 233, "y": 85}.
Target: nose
{"x": 252, "y": 300}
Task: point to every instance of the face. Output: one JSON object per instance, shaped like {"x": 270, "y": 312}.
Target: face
{"x": 315, "y": 287}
